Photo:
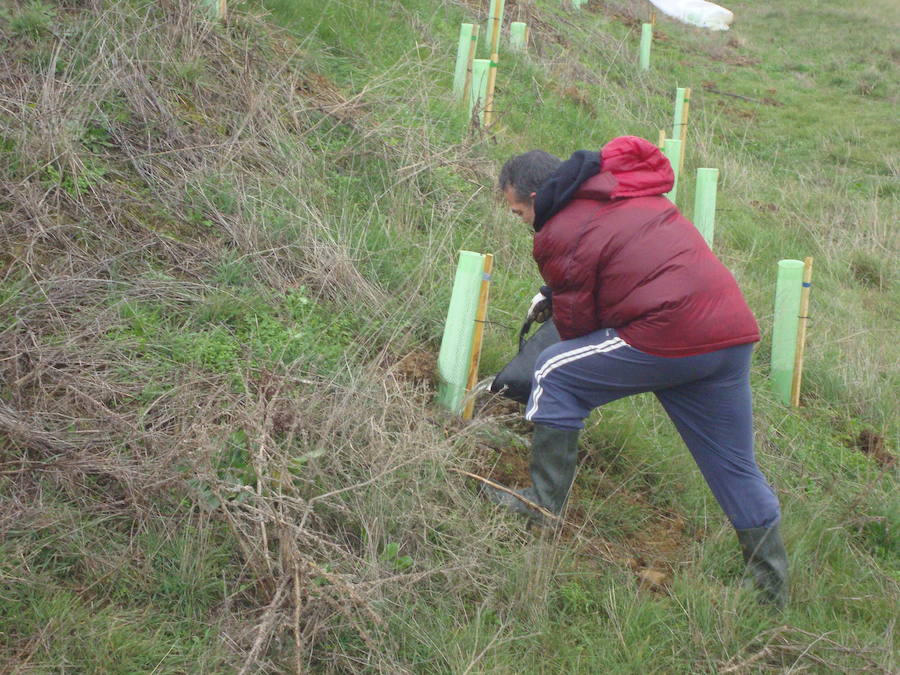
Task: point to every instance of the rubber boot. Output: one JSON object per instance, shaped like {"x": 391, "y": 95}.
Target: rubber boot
{"x": 554, "y": 454}
{"x": 767, "y": 563}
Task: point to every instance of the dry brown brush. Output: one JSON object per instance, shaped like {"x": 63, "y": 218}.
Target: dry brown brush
{"x": 143, "y": 147}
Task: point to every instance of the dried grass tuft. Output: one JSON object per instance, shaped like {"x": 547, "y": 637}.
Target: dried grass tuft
{"x": 135, "y": 145}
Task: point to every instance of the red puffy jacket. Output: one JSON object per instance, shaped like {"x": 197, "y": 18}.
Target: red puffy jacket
{"x": 620, "y": 255}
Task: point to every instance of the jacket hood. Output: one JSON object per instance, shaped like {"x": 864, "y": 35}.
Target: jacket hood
{"x": 632, "y": 167}
{"x": 555, "y": 192}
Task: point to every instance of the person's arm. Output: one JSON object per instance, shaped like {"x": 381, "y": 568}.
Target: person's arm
{"x": 575, "y": 312}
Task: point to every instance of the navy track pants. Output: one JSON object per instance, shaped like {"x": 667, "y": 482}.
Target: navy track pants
{"x": 706, "y": 396}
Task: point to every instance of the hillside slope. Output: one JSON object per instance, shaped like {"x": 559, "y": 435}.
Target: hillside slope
{"x": 226, "y": 252}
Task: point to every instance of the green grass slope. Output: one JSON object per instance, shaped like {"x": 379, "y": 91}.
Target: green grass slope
{"x": 226, "y": 253}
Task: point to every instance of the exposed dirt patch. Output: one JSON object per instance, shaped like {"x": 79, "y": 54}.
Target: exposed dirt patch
{"x": 873, "y": 445}
{"x": 578, "y": 97}
{"x": 321, "y": 88}
{"x": 736, "y": 113}
{"x": 498, "y": 405}
{"x": 510, "y": 466}
{"x": 653, "y": 579}
{"x": 728, "y": 54}
{"x": 418, "y": 366}
{"x": 765, "y": 207}
{"x": 630, "y": 17}
{"x": 511, "y": 415}
{"x": 653, "y": 552}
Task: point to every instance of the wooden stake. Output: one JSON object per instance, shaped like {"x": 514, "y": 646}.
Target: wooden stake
{"x": 801, "y": 332}
{"x": 497, "y": 16}
{"x": 662, "y": 139}
{"x": 480, "y": 315}
{"x": 467, "y": 87}
{"x": 685, "y": 111}
{"x": 653, "y": 18}
{"x": 489, "y": 99}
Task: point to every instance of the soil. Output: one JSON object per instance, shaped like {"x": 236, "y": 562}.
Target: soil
{"x": 652, "y": 553}
{"x": 766, "y": 207}
{"x": 873, "y": 445}
{"x": 417, "y": 366}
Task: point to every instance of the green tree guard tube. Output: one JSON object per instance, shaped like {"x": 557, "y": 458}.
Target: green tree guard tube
{"x": 784, "y": 330}
{"x": 646, "y": 41}
{"x": 672, "y": 151}
{"x": 678, "y": 119}
{"x": 215, "y": 9}
{"x": 467, "y": 88}
{"x": 462, "y": 60}
{"x": 705, "y": 203}
{"x": 456, "y": 346}
{"x": 517, "y": 40}
{"x": 478, "y": 92}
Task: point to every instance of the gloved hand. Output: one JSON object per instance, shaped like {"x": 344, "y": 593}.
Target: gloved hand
{"x": 541, "y": 307}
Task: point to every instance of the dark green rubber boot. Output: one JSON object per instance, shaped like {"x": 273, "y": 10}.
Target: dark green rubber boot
{"x": 767, "y": 563}
{"x": 554, "y": 454}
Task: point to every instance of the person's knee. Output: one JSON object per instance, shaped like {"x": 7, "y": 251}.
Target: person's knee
{"x": 561, "y": 418}
{"x": 553, "y": 404}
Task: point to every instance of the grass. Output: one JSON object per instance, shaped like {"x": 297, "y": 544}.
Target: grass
{"x": 220, "y": 243}
{"x": 128, "y": 617}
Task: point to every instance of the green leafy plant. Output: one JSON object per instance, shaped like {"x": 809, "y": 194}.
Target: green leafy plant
{"x": 72, "y": 183}
{"x": 31, "y": 21}
{"x": 96, "y": 138}
{"x": 9, "y": 158}
{"x": 391, "y": 556}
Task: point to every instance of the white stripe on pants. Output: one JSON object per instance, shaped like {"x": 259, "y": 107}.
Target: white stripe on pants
{"x": 564, "y": 358}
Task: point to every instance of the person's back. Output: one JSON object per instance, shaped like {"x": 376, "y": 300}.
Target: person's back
{"x": 642, "y": 305}
{"x": 620, "y": 255}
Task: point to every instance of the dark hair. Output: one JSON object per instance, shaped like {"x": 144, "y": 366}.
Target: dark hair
{"x": 525, "y": 173}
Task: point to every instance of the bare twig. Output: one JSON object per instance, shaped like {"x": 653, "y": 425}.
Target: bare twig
{"x": 530, "y": 504}
{"x": 267, "y": 625}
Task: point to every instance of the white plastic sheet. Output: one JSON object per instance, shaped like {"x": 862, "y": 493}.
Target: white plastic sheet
{"x": 697, "y": 13}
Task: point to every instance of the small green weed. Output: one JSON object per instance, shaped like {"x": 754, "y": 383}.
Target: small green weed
{"x": 391, "y": 557}
{"x": 9, "y": 158}
{"x": 882, "y": 539}
{"x": 188, "y": 73}
{"x": 213, "y": 191}
{"x": 234, "y": 464}
{"x": 216, "y": 350}
{"x": 74, "y": 184}
{"x": 577, "y": 597}
{"x": 96, "y": 138}
{"x": 234, "y": 270}
{"x": 198, "y": 218}
{"x": 33, "y": 21}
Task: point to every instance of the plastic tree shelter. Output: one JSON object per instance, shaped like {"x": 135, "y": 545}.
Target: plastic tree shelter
{"x": 455, "y": 357}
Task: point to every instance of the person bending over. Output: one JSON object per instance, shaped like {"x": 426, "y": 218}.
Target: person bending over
{"x": 642, "y": 305}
